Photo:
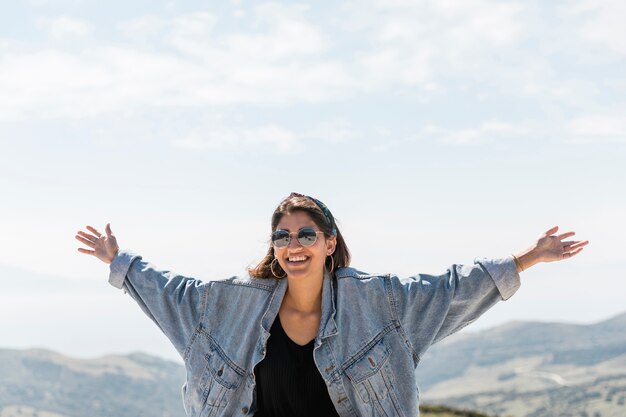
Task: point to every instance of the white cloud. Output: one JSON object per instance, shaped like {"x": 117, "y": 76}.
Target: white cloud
{"x": 63, "y": 27}
{"x": 236, "y": 139}
{"x": 583, "y": 129}
{"x": 466, "y": 22}
{"x": 281, "y": 33}
{"x": 196, "y": 25}
{"x": 597, "y": 128}
{"x": 37, "y": 3}
{"x": 283, "y": 61}
{"x": 485, "y": 132}
{"x": 604, "y": 23}
{"x": 416, "y": 42}
{"x": 56, "y": 84}
{"x": 142, "y": 26}
{"x": 220, "y": 135}
{"x": 506, "y": 48}
{"x": 394, "y": 65}
{"x": 285, "y": 55}
{"x": 333, "y": 131}
{"x": 280, "y": 62}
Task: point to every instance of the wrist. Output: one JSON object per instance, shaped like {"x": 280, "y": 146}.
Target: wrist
{"x": 110, "y": 259}
{"x": 518, "y": 264}
{"x": 525, "y": 259}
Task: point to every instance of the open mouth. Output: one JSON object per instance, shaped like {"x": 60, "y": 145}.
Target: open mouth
{"x": 295, "y": 260}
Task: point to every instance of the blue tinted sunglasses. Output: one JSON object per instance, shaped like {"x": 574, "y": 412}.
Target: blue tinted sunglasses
{"x": 306, "y": 237}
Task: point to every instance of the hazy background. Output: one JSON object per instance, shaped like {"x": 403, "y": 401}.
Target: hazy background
{"x": 436, "y": 132}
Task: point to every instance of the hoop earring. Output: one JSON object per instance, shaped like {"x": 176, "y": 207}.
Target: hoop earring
{"x": 332, "y": 264}
{"x": 272, "y": 269}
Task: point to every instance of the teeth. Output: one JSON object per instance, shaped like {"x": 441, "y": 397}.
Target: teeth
{"x": 297, "y": 258}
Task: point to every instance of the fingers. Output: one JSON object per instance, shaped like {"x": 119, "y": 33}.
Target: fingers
{"x": 574, "y": 249}
{"x": 92, "y": 240}
{"x": 576, "y": 245}
{"x": 551, "y": 231}
{"x": 94, "y": 231}
{"x": 82, "y": 236}
{"x": 565, "y": 235}
{"x": 570, "y": 254}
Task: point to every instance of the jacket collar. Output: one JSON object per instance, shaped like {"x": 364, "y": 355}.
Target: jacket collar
{"x": 328, "y": 327}
{"x": 275, "y": 301}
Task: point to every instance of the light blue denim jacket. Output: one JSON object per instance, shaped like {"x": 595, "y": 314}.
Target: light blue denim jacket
{"x": 373, "y": 331}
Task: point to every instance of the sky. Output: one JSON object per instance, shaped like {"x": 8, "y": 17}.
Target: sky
{"x": 436, "y": 132}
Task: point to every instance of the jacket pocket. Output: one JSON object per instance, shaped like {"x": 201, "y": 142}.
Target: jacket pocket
{"x": 373, "y": 381}
{"x": 220, "y": 380}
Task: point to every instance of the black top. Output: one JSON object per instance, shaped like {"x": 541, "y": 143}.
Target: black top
{"x": 288, "y": 383}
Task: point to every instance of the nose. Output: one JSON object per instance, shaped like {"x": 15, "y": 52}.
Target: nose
{"x": 294, "y": 244}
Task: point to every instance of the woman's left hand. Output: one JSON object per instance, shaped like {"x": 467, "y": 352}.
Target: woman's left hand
{"x": 550, "y": 247}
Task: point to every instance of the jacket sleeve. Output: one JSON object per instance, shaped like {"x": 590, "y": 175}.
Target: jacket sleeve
{"x": 174, "y": 302}
{"x": 432, "y": 307}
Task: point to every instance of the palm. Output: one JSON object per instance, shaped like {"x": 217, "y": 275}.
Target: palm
{"x": 554, "y": 248}
{"x": 551, "y": 248}
{"x": 103, "y": 247}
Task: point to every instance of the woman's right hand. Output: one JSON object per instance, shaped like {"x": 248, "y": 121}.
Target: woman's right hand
{"x": 102, "y": 247}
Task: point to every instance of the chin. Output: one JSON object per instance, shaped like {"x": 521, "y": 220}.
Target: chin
{"x": 302, "y": 272}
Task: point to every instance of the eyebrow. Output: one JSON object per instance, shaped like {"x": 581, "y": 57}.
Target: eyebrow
{"x": 314, "y": 227}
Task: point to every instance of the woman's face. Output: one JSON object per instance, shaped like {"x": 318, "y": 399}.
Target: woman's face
{"x": 303, "y": 261}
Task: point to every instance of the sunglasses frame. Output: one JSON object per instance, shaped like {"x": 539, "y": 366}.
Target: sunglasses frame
{"x": 289, "y": 234}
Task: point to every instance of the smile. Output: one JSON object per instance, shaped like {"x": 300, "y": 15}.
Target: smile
{"x": 296, "y": 259}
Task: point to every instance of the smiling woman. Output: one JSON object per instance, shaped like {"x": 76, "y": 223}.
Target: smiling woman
{"x": 304, "y": 211}
{"x": 304, "y": 334}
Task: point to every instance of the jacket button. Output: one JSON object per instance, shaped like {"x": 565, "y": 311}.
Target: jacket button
{"x": 220, "y": 372}
{"x": 244, "y": 410}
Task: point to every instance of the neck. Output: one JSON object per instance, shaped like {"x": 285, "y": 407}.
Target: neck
{"x": 304, "y": 296}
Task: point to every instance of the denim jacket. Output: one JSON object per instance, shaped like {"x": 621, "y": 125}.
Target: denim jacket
{"x": 373, "y": 331}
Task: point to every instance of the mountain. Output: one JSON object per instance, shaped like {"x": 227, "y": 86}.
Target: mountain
{"x": 519, "y": 369}
{"x": 531, "y": 370}
{"x": 40, "y": 383}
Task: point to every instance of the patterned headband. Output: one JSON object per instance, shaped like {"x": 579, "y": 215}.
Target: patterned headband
{"x": 329, "y": 216}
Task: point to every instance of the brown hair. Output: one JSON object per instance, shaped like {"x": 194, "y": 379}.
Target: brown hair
{"x": 326, "y": 224}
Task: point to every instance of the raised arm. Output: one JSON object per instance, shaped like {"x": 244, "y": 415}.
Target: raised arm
{"x": 431, "y": 307}
{"x": 549, "y": 248}
{"x": 174, "y": 302}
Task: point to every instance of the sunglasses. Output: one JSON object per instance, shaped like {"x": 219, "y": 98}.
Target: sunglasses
{"x": 306, "y": 237}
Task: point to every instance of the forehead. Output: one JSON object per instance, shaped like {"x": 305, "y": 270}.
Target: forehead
{"x": 295, "y": 221}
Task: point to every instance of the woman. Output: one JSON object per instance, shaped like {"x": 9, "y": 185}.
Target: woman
{"x": 304, "y": 334}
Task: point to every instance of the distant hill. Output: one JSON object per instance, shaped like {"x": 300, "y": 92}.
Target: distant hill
{"x": 519, "y": 369}
{"x": 39, "y": 383}
{"x": 443, "y": 411}
{"x": 532, "y": 370}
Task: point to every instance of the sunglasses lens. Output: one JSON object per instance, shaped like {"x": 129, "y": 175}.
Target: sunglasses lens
{"x": 280, "y": 238}
{"x": 307, "y": 236}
